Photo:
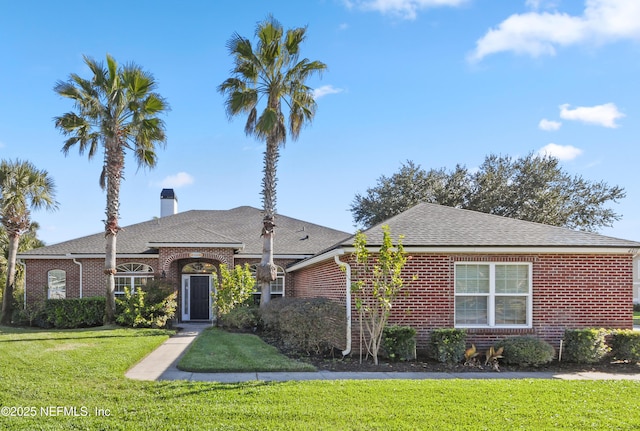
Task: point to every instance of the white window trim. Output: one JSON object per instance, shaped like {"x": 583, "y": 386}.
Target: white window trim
{"x": 59, "y": 291}
{"x": 492, "y": 295}
{"x": 133, "y": 270}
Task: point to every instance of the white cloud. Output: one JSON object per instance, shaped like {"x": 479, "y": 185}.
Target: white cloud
{"x": 324, "y": 90}
{"x": 601, "y": 115}
{"x": 406, "y": 9}
{"x": 549, "y": 125}
{"x": 541, "y": 33}
{"x": 560, "y": 152}
{"x": 180, "y": 179}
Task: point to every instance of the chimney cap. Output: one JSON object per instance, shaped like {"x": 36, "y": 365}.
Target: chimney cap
{"x": 168, "y": 194}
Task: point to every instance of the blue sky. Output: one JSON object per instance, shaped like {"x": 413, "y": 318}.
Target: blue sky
{"x": 439, "y": 82}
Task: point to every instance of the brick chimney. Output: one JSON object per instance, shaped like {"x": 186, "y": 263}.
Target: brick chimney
{"x": 168, "y": 203}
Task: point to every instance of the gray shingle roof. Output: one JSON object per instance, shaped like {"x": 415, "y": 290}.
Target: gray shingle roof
{"x": 235, "y": 226}
{"x": 431, "y": 225}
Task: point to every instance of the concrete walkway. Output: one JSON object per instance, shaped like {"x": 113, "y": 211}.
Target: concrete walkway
{"x": 161, "y": 364}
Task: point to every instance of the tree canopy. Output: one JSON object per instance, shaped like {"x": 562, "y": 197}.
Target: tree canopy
{"x": 532, "y": 188}
{"x": 117, "y": 110}
{"x": 271, "y": 72}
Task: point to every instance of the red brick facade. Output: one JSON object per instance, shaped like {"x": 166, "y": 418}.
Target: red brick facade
{"x": 568, "y": 291}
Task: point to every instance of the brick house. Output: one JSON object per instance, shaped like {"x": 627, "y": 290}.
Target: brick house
{"x": 494, "y": 276}
{"x": 184, "y": 249}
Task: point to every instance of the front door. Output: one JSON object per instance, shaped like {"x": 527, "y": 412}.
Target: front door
{"x": 199, "y": 297}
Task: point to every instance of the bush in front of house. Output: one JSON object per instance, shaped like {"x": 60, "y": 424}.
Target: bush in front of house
{"x": 625, "y": 345}
{"x": 151, "y": 306}
{"x": 70, "y": 313}
{"x": 399, "y": 342}
{"x": 447, "y": 345}
{"x": 526, "y": 351}
{"x": 244, "y": 317}
{"x": 305, "y": 325}
{"x": 585, "y": 346}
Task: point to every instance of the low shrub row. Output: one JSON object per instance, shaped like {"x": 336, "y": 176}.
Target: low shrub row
{"x": 63, "y": 313}
{"x": 589, "y": 346}
{"x": 449, "y": 346}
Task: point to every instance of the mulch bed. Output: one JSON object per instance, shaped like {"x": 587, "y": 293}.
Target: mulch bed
{"x": 335, "y": 362}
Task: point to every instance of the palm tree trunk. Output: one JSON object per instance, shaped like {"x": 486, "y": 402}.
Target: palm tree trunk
{"x": 7, "y": 299}
{"x": 267, "y": 271}
{"x": 114, "y": 164}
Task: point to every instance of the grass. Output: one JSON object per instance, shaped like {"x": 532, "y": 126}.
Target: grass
{"x": 636, "y": 317}
{"x": 84, "y": 370}
{"x": 216, "y": 350}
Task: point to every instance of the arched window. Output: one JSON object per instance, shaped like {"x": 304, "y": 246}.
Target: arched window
{"x": 132, "y": 276}
{"x": 277, "y": 286}
{"x": 57, "y": 284}
{"x": 199, "y": 268}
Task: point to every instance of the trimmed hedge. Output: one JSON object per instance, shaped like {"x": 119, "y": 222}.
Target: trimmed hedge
{"x": 447, "y": 345}
{"x": 625, "y": 345}
{"x": 72, "y": 313}
{"x": 305, "y": 325}
{"x": 526, "y": 351}
{"x": 585, "y": 346}
{"x": 399, "y": 342}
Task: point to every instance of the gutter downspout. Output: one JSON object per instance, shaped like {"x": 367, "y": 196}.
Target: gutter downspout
{"x": 347, "y": 268}
{"x": 80, "y": 265}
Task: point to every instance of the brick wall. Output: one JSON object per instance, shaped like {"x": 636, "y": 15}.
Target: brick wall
{"x": 569, "y": 291}
{"x": 93, "y": 279}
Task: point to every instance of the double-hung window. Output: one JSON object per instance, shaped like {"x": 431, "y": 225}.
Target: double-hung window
{"x": 493, "y": 295}
{"x": 131, "y": 276}
{"x": 57, "y": 284}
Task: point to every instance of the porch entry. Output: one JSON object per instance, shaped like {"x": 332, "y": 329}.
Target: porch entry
{"x": 196, "y": 297}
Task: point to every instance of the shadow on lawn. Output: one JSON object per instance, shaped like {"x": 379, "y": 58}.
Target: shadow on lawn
{"x": 31, "y": 334}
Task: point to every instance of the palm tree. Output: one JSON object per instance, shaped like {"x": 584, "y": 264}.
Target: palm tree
{"x": 23, "y": 187}
{"x": 271, "y": 71}
{"x": 116, "y": 110}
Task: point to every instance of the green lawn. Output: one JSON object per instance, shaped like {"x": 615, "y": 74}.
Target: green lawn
{"x": 216, "y": 350}
{"x": 636, "y": 317}
{"x": 74, "y": 379}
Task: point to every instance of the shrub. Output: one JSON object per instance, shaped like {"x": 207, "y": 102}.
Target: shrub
{"x": 243, "y": 317}
{"x": 305, "y": 325}
{"x": 71, "y": 313}
{"x": 625, "y": 345}
{"x": 636, "y": 307}
{"x": 399, "y": 342}
{"x": 29, "y": 315}
{"x": 151, "y": 306}
{"x": 526, "y": 351}
{"x": 448, "y": 345}
{"x": 585, "y": 346}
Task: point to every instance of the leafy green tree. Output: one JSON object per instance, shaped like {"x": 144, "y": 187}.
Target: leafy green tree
{"x": 234, "y": 287}
{"x": 378, "y": 282}
{"x": 532, "y": 188}
{"x": 271, "y": 72}
{"x": 22, "y": 187}
{"x": 118, "y": 110}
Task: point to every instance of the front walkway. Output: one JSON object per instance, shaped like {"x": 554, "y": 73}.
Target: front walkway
{"x": 161, "y": 364}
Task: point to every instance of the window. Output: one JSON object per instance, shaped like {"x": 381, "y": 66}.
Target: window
{"x": 493, "y": 295}
{"x": 277, "y": 286}
{"x": 131, "y": 276}
{"x": 57, "y": 284}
